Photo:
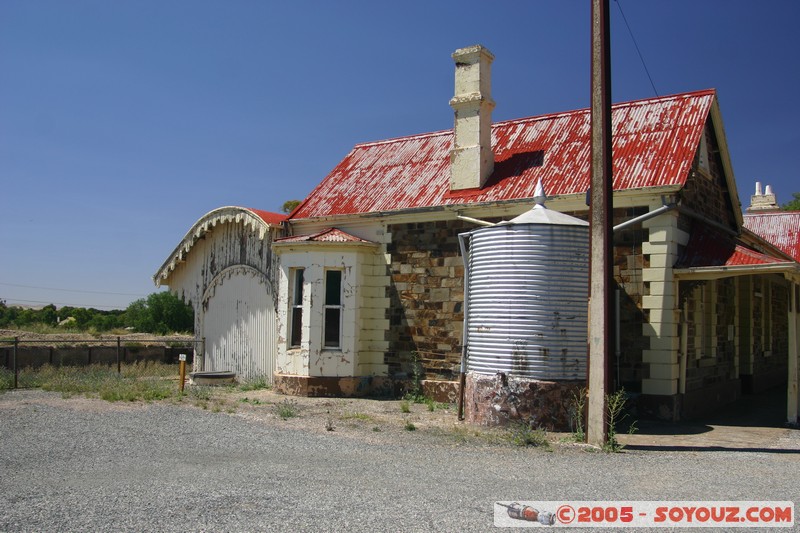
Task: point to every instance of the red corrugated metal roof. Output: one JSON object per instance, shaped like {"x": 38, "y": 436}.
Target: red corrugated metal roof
{"x": 781, "y": 228}
{"x": 273, "y": 219}
{"x": 710, "y": 248}
{"x": 326, "y": 235}
{"x": 654, "y": 143}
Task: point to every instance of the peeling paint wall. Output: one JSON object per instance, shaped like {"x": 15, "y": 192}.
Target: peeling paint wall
{"x": 226, "y": 274}
{"x": 363, "y": 311}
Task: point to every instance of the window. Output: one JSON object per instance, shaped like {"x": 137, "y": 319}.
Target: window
{"x": 332, "y": 328}
{"x": 296, "y": 325}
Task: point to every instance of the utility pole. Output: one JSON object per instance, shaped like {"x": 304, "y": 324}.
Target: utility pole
{"x": 600, "y": 226}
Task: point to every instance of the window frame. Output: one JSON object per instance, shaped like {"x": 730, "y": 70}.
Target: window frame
{"x": 297, "y": 289}
{"x": 329, "y": 308}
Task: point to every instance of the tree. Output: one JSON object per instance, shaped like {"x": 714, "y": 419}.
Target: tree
{"x": 48, "y": 315}
{"x": 289, "y": 205}
{"x": 793, "y": 204}
{"x": 161, "y": 313}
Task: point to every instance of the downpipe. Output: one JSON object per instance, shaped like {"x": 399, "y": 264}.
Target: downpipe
{"x": 462, "y": 376}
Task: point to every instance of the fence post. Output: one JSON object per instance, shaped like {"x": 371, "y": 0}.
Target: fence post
{"x": 119, "y": 362}
{"x": 16, "y": 373}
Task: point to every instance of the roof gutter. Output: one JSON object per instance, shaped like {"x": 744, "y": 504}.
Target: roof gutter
{"x": 708, "y": 273}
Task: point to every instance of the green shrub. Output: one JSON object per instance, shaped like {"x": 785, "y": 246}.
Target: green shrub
{"x": 405, "y": 406}
{"x": 286, "y": 409}
{"x": 524, "y": 435}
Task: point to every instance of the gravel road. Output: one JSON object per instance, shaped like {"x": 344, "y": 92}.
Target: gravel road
{"x": 78, "y": 465}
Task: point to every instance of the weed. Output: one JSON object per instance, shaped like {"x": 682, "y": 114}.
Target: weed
{"x": 577, "y": 408}
{"x": 254, "y": 401}
{"x": 415, "y": 393}
{"x": 376, "y": 429}
{"x": 356, "y": 416}
{"x": 329, "y": 424}
{"x": 286, "y": 409}
{"x": 200, "y": 392}
{"x": 405, "y": 406}
{"x": 410, "y": 426}
{"x": 138, "y": 381}
{"x": 615, "y": 413}
{"x": 524, "y": 435}
{"x": 257, "y": 383}
{"x": 6, "y": 379}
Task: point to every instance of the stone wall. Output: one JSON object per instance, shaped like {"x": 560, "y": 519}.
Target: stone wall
{"x": 706, "y": 190}
{"x": 771, "y": 343}
{"x": 426, "y": 313}
{"x": 710, "y": 348}
{"x": 500, "y": 400}
{"x": 629, "y": 260}
{"x": 427, "y": 294}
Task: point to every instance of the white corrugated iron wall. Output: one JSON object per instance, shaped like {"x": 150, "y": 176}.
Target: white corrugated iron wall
{"x": 241, "y": 321}
{"x": 239, "y": 324}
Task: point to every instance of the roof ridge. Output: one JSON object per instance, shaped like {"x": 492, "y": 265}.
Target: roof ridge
{"x": 546, "y": 116}
{"x": 404, "y": 138}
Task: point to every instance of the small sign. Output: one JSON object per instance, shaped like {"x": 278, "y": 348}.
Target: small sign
{"x": 182, "y": 357}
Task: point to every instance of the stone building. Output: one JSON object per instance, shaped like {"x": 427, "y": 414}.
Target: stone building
{"x": 369, "y": 280}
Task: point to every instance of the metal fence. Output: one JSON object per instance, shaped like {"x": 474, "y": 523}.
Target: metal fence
{"x": 19, "y": 353}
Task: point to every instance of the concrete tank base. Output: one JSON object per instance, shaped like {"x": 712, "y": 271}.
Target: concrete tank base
{"x": 501, "y": 400}
{"x": 212, "y": 378}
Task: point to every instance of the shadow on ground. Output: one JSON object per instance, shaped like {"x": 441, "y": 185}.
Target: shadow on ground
{"x": 754, "y": 423}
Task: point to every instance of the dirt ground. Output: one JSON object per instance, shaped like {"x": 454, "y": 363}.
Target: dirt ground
{"x": 366, "y": 419}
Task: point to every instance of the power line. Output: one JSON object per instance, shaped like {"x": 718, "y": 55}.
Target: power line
{"x": 636, "y": 45}
{"x": 13, "y": 300}
{"x": 70, "y": 290}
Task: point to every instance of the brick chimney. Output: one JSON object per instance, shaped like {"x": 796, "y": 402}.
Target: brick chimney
{"x": 471, "y": 159}
{"x": 761, "y": 202}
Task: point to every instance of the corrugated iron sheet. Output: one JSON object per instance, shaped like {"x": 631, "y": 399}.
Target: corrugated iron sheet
{"x": 710, "y": 248}
{"x": 273, "y": 219}
{"x": 782, "y": 229}
{"x": 527, "y": 313}
{"x": 327, "y": 235}
{"x": 654, "y": 143}
{"x": 239, "y": 325}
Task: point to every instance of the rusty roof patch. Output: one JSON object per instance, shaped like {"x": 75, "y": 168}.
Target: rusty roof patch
{"x": 781, "y": 228}
{"x": 654, "y": 143}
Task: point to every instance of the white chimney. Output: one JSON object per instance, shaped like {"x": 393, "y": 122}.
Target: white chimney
{"x": 472, "y": 160}
{"x": 765, "y": 201}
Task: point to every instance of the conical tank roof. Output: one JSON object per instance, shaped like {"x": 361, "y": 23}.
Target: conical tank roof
{"x": 539, "y": 214}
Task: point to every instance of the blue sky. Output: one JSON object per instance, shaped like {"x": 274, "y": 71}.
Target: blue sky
{"x": 122, "y": 123}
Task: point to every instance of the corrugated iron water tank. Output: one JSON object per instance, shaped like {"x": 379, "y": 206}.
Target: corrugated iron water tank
{"x": 527, "y": 297}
